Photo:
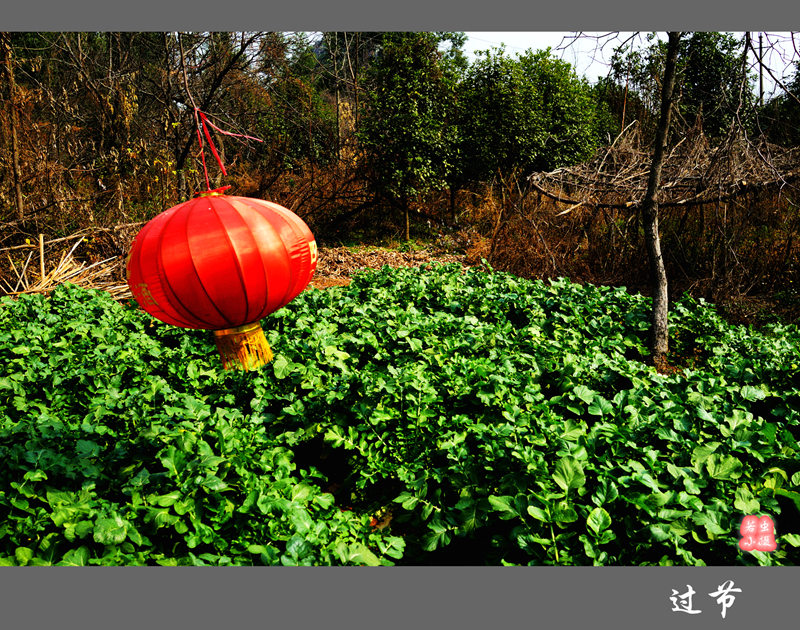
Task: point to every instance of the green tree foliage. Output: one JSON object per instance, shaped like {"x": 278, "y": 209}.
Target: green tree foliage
{"x": 712, "y": 82}
{"x": 712, "y": 87}
{"x": 529, "y": 113}
{"x": 404, "y": 132}
{"x": 296, "y": 120}
{"x": 780, "y": 117}
{"x": 607, "y": 127}
{"x": 566, "y": 108}
{"x": 627, "y": 90}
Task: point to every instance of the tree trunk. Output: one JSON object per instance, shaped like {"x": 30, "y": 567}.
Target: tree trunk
{"x": 12, "y": 90}
{"x": 221, "y": 152}
{"x": 119, "y": 193}
{"x": 408, "y": 222}
{"x": 335, "y": 52}
{"x": 181, "y": 185}
{"x": 659, "y": 338}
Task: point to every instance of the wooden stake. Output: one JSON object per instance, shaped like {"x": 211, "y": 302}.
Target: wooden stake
{"x": 41, "y": 254}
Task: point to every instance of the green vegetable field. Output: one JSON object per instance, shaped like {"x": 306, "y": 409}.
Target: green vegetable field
{"x": 420, "y": 416}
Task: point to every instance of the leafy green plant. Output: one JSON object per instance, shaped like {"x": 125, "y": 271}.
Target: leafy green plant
{"x": 485, "y": 419}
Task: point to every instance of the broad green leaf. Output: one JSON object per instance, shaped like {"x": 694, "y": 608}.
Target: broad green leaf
{"x": 183, "y": 506}
{"x": 210, "y": 461}
{"x": 214, "y": 483}
{"x": 660, "y": 533}
{"x": 563, "y": 512}
{"x": 790, "y": 494}
{"x": 598, "y": 520}
{"x": 392, "y": 546}
{"x": 23, "y": 555}
{"x": 701, "y": 453}
{"x": 165, "y": 500}
{"x": 87, "y": 448}
{"x": 76, "y": 557}
{"x": 538, "y": 513}
{"x": 269, "y": 503}
{"x": 335, "y": 352}
{"x": 281, "y": 367}
{"x": 468, "y": 514}
{"x": 174, "y": 461}
{"x": 727, "y": 467}
{"x": 358, "y": 553}
{"x": 744, "y": 501}
{"x": 752, "y": 393}
{"x": 37, "y": 475}
{"x": 572, "y": 431}
{"x": 569, "y": 474}
{"x": 504, "y": 505}
{"x": 162, "y": 517}
{"x": 110, "y": 531}
{"x": 301, "y": 520}
{"x": 676, "y": 472}
{"x": 301, "y": 492}
{"x": 775, "y": 479}
{"x": 792, "y": 539}
{"x": 407, "y": 500}
{"x": 298, "y": 547}
{"x": 256, "y": 549}
{"x": 711, "y": 521}
{"x": 134, "y": 536}
{"x": 584, "y": 393}
{"x": 694, "y": 486}
{"x": 705, "y": 416}
{"x": 324, "y": 500}
{"x": 80, "y": 529}
{"x": 600, "y": 406}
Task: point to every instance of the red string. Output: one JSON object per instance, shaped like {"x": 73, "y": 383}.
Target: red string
{"x": 205, "y": 124}
{"x": 211, "y": 144}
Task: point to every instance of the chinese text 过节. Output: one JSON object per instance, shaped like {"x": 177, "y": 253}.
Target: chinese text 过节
{"x": 724, "y": 594}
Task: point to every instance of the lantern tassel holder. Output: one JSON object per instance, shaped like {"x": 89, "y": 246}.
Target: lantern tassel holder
{"x": 243, "y": 347}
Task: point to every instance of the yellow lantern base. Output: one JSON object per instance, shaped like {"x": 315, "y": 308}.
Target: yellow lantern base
{"x": 243, "y": 348}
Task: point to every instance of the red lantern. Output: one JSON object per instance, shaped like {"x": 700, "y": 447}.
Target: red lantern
{"x": 222, "y": 263}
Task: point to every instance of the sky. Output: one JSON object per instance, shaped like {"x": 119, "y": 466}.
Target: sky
{"x": 589, "y": 59}
{"x": 590, "y": 55}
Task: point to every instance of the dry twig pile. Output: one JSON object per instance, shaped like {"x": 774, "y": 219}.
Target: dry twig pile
{"x": 694, "y": 173}
{"x": 102, "y": 275}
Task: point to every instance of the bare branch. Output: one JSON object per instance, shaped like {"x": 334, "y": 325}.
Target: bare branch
{"x": 769, "y": 71}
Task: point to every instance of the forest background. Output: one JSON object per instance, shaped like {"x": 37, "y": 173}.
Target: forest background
{"x": 399, "y": 139}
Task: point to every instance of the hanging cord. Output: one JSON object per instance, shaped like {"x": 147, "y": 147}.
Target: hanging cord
{"x": 205, "y": 123}
{"x": 201, "y": 122}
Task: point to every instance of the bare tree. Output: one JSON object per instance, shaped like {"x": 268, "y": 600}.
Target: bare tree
{"x": 659, "y": 336}
{"x": 648, "y": 206}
